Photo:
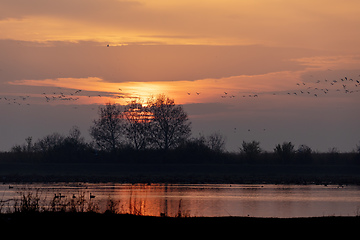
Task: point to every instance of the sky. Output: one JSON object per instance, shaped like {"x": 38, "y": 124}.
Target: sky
{"x": 270, "y": 71}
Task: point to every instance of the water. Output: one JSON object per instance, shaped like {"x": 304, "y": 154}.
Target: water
{"x": 202, "y": 199}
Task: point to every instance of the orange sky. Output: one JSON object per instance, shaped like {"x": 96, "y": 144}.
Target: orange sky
{"x": 322, "y": 24}
{"x": 198, "y": 52}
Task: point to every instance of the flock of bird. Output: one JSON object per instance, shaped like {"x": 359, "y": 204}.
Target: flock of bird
{"x": 48, "y": 97}
{"x": 320, "y": 87}
{"x": 344, "y": 85}
{"x": 20, "y": 100}
{"x": 56, "y": 96}
{"x": 61, "y": 96}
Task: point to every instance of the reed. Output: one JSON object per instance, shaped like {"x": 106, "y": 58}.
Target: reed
{"x": 181, "y": 212}
{"x": 28, "y": 202}
{"x": 33, "y": 202}
{"x": 112, "y": 206}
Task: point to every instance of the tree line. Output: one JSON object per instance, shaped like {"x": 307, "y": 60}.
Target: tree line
{"x": 158, "y": 130}
{"x": 150, "y": 128}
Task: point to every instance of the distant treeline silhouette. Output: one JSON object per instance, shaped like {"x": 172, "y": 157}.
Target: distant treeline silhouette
{"x": 159, "y": 131}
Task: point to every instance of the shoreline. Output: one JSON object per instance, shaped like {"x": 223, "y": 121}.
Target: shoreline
{"x": 181, "y": 173}
{"x": 108, "y": 219}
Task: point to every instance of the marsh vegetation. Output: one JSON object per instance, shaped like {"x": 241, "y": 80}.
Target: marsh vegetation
{"x": 36, "y": 200}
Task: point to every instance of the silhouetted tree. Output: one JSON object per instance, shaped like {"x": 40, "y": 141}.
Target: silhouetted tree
{"x": 75, "y": 135}
{"x": 216, "y": 142}
{"x": 49, "y": 142}
{"x": 71, "y": 148}
{"x": 194, "y": 150}
{"x": 285, "y": 151}
{"x": 28, "y": 147}
{"x": 357, "y": 156}
{"x": 108, "y": 130}
{"x": 137, "y": 126}
{"x": 333, "y": 155}
{"x": 74, "y": 143}
{"x": 250, "y": 149}
{"x": 56, "y": 147}
{"x": 357, "y": 148}
{"x": 16, "y": 149}
{"x": 304, "y": 154}
{"x": 169, "y": 125}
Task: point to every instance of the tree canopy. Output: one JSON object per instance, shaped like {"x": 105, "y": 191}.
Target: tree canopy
{"x": 158, "y": 124}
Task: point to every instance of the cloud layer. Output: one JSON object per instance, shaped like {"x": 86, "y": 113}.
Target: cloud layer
{"x": 213, "y": 56}
{"x": 141, "y": 63}
{"x": 322, "y": 24}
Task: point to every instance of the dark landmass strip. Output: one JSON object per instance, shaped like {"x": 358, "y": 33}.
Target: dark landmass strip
{"x": 72, "y": 160}
{"x": 180, "y": 173}
{"x": 72, "y": 220}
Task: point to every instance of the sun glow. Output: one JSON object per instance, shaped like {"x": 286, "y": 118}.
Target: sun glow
{"x": 96, "y": 90}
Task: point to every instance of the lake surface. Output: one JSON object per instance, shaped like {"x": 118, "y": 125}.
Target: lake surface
{"x": 200, "y": 199}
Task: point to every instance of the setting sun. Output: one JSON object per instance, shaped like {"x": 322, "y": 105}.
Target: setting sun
{"x": 256, "y": 64}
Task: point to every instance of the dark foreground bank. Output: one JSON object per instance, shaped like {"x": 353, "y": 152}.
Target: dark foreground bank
{"x": 180, "y": 173}
{"x": 66, "y": 219}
